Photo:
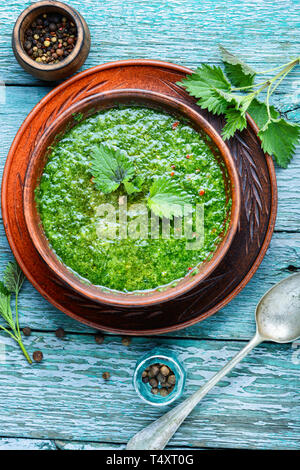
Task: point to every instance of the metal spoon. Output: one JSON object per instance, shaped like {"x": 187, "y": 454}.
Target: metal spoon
{"x": 277, "y": 319}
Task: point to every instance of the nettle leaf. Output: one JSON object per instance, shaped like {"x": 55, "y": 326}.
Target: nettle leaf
{"x": 110, "y": 167}
{"x": 258, "y": 111}
{"x": 279, "y": 138}
{"x": 205, "y": 84}
{"x": 239, "y": 73}
{"x": 235, "y": 120}
{"x": 167, "y": 199}
{"x": 13, "y": 277}
{"x": 134, "y": 186}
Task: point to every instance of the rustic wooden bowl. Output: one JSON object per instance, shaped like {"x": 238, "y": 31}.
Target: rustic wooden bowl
{"x": 72, "y": 62}
{"x": 65, "y": 121}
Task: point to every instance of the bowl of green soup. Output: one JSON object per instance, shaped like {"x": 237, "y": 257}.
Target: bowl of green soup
{"x": 131, "y": 198}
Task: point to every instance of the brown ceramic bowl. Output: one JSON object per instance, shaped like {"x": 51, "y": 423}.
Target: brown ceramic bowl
{"x": 72, "y": 62}
{"x": 65, "y": 121}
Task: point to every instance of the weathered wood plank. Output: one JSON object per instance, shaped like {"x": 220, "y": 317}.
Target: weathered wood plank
{"x": 185, "y": 32}
{"x": 65, "y": 397}
{"x": 77, "y": 445}
{"x": 13, "y": 443}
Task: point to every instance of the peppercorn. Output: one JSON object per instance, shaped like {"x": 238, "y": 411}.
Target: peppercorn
{"x": 126, "y": 341}
{"x": 106, "y": 375}
{"x": 164, "y": 370}
{"x": 37, "y": 356}
{"x": 60, "y": 333}
{"x": 153, "y": 382}
{"x": 154, "y": 369}
{"x": 27, "y": 331}
{"x": 161, "y": 379}
{"x": 99, "y": 338}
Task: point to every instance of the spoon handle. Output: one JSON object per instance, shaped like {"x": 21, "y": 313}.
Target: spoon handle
{"x": 157, "y": 434}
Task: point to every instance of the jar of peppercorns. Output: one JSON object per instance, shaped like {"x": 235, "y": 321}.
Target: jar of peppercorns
{"x": 159, "y": 377}
{"x": 50, "y": 40}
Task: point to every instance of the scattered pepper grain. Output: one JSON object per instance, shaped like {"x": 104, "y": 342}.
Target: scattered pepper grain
{"x": 37, "y": 356}
{"x": 26, "y": 331}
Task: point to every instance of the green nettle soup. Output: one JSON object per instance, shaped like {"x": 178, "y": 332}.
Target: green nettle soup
{"x": 157, "y": 146}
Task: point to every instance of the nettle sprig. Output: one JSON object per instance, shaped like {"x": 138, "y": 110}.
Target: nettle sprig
{"x": 237, "y": 94}
{"x": 112, "y": 167}
{"x": 12, "y": 282}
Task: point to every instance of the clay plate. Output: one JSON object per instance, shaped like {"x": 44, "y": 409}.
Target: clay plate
{"x": 258, "y": 206}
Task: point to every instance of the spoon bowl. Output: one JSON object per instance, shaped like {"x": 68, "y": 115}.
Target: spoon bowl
{"x": 278, "y": 312}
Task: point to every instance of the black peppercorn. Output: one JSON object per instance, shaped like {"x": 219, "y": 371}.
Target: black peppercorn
{"x": 126, "y": 341}
{"x": 99, "y": 338}
{"x": 37, "y": 356}
{"x": 27, "y": 331}
{"x": 60, "y": 333}
{"x": 45, "y": 32}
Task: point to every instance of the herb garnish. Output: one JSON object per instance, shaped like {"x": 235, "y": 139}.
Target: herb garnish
{"x": 215, "y": 93}
{"x": 111, "y": 167}
{"x": 12, "y": 282}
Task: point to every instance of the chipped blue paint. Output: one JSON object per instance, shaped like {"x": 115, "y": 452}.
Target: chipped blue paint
{"x": 63, "y": 403}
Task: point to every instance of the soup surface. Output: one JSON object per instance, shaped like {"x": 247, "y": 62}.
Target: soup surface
{"x": 158, "y": 146}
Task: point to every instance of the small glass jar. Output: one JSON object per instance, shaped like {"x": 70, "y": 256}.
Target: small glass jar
{"x": 168, "y": 358}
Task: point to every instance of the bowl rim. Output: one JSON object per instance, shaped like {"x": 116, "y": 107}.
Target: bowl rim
{"x": 129, "y": 299}
{"x": 56, "y": 6}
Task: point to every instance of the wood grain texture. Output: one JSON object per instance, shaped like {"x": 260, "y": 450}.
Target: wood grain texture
{"x": 180, "y": 31}
{"x": 248, "y": 409}
{"x": 77, "y": 445}
{"x": 259, "y": 405}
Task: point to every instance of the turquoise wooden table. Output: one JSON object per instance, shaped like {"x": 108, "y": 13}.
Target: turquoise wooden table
{"x": 63, "y": 402}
